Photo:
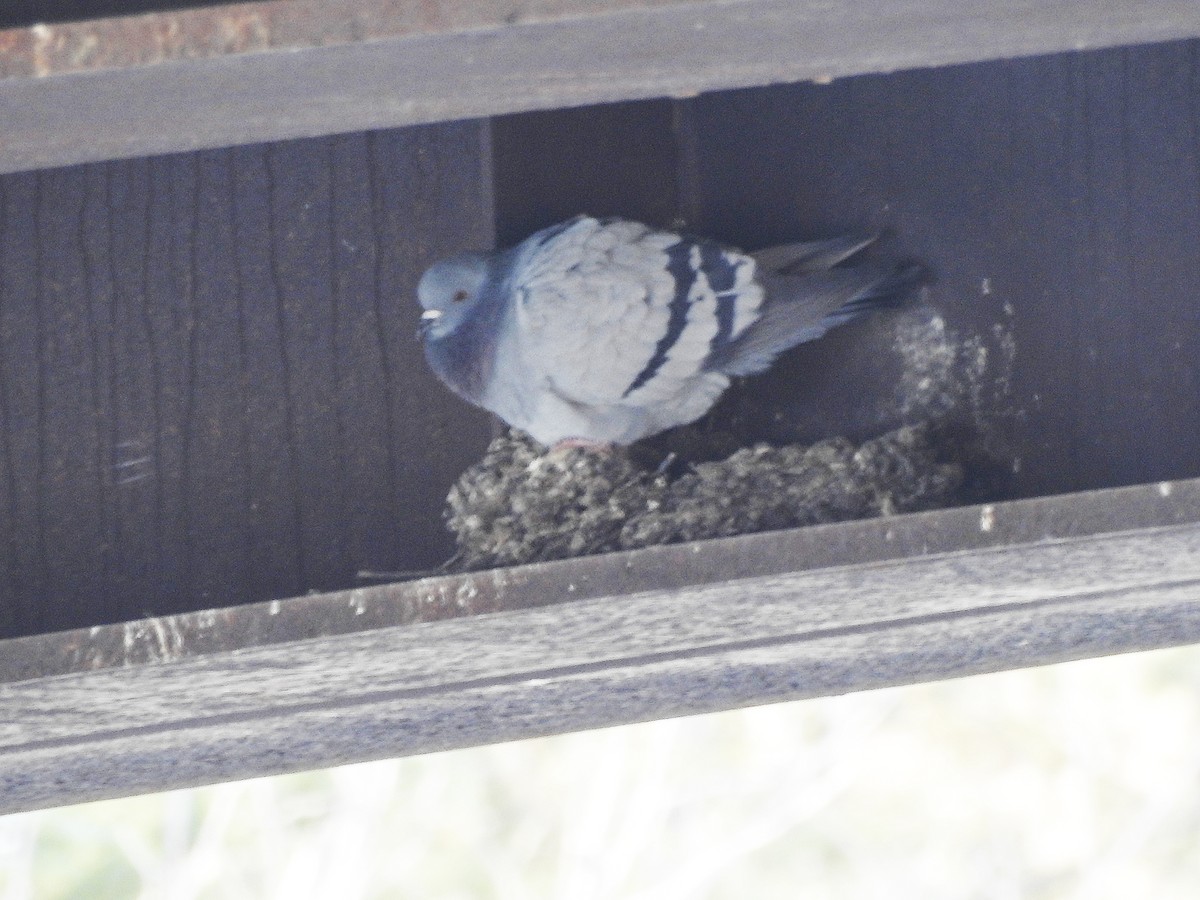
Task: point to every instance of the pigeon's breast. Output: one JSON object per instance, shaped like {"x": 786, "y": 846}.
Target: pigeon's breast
{"x": 465, "y": 359}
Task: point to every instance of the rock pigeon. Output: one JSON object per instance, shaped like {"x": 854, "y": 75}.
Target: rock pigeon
{"x": 606, "y": 331}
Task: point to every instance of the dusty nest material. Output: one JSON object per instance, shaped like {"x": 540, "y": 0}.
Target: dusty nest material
{"x": 522, "y": 504}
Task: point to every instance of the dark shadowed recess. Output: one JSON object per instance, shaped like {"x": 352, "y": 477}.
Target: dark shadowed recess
{"x": 21, "y": 13}
{"x": 210, "y": 391}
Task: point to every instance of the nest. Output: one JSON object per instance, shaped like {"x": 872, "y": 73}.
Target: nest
{"x": 522, "y": 503}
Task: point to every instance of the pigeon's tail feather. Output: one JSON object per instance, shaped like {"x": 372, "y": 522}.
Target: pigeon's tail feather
{"x": 802, "y": 308}
{"x": 809, "y": 256}
{"x": 889, "y": 291}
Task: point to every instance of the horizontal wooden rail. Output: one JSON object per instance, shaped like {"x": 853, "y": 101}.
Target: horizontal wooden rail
{"x": 252, "y": 72}
{"x": 406, "y": 668}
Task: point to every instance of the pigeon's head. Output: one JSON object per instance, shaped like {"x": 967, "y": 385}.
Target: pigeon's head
{"x": 449, "y": 290}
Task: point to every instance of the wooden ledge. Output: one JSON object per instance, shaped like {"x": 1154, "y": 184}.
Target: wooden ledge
{"x": 402, "y": 669}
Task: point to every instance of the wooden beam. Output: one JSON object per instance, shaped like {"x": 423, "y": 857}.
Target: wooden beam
{"x": 252, "y": 72}
{"x": 356, "y": 675}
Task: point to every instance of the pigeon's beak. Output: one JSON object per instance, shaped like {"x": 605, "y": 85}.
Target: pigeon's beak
{"x": 427, "y": 319}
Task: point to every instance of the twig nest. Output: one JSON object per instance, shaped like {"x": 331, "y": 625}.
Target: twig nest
{"x": 522, "y": 503}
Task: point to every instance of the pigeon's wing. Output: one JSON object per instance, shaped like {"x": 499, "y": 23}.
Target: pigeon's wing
{"x": 804, "y": 307}
{"x": 809, "y": 256}
{"x": 612, "y": 312}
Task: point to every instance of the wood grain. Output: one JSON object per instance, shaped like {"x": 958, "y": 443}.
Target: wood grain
{"x": 209, "y": 375}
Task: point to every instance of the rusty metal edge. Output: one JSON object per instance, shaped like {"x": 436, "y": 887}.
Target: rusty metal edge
{"x": 247, "y": 73}
{"x": 169, "y": 639}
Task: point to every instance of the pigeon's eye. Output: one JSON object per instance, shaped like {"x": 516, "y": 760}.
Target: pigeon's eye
{"x": 459, "y": 296}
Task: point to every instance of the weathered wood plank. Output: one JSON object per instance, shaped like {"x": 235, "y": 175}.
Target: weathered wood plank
{"x": 171, "y": 638}
{"x": 604, "y": 632}
{"x": 209, "y": 377}
{"x": 629, "y": 652}
{"x": 251, "y": 72}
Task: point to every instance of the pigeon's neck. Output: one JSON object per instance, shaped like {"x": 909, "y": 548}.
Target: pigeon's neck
{"x": 463, "y": 358}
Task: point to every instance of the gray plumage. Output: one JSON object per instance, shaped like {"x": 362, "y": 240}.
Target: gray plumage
{"x": 608, "y": 331}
